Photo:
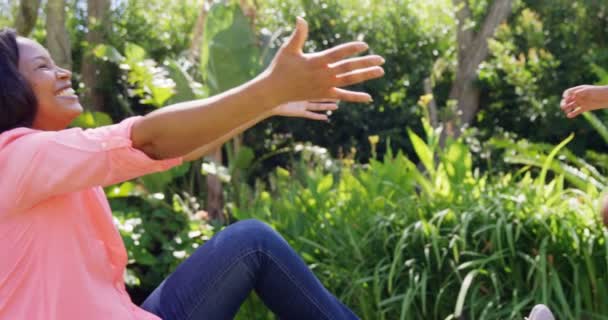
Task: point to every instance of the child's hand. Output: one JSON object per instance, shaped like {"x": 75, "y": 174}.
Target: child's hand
{"x": 584, "y": 98}
{"x": 297, "y": 76}
{"x": 306, "y": 109}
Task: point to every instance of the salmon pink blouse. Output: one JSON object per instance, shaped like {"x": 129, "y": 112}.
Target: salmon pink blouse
{"x": 61, "y": 257}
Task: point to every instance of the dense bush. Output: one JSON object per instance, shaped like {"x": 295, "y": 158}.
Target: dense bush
{"x": 547, "y": 47}
{"x": 400, "y": 242}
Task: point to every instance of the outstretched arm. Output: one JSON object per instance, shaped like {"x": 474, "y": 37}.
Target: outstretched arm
{"x": 299, "y": 109}
{"x": 584, "y": 98}
{"x": 292, "y": 76}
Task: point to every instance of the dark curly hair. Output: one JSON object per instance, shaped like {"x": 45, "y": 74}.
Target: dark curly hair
{"x": 18, "y": 103}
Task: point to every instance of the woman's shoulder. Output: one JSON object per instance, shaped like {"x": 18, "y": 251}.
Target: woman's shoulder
{"x": 29, "y": 138}
{"x": 7, "y": 137}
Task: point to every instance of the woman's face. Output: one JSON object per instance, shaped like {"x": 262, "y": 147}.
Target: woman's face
{"x": 58, "y": 104}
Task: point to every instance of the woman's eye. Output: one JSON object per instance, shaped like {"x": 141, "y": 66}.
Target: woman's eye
{"x": 43, "y": 66}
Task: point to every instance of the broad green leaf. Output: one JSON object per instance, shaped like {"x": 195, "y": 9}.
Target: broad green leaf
{"x": 107, "y": 52}
{"x": 243, "y": 159}
{"x": 230, "y": 54}
{"x": 134, "y": 52}
{"x": 124, "y": 189}
{"x": 158, "y": 182}
{"x": 597, "y": 124}
{"x": 325, "y": 184}
{"x": 423, "y": 151}
{"x": 550, "y": 157}
{"x": 184, "y": 85}
{"x": 93, "y": 119}
{"x": 462, "y": 294}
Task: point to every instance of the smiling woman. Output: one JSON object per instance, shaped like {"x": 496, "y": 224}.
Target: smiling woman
{"x": 58, "y": 104}
{"x": 61, "y": 257}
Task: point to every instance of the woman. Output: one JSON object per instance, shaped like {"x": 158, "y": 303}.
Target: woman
{"x": 60, "y": 255}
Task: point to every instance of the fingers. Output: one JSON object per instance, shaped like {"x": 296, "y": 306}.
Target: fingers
{"x": 316, "y": 116}
{"x": 351, "y": 96}
{"x": 298, "y": 37}
{"x": 563, "y": 104}
{"x": 575, "y": 113}
{"x": 567, "y": 105}
{"x": 577, "y": 96}
{"x": 340, "y": 52}
{"x": 574, "y": 101}
{"x": 348, "y": 65}
{"x": 358, "y": 76}
{"x": 335, "y": 101}
{"x": 569, "y": 91}
{"x": 572, "y": 109}
{"x": 322, "y": 106}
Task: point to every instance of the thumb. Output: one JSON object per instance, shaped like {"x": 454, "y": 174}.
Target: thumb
{"x": 298, "y": 37}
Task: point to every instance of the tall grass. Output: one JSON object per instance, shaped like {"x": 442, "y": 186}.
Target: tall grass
{"x": 442, "y": 241}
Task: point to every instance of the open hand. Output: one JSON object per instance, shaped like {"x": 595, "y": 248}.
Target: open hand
{"x": 584, "y": 98}
{"x": 298, "y": 76}
{"x": 306, "y": 109}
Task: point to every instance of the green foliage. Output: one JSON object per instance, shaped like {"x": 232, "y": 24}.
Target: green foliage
{"x": 157, "y": 236}
{"x": 148, "y": 80}
{"x": 400, "y": 241}
{"x": 6, "y": 16}
{"x": 547, "y": 47}
{"x": 162, "y": 27}
{"x": 230, "y": 54}
{"x": 411, "y": 35}
{"x": 93, "y": 119}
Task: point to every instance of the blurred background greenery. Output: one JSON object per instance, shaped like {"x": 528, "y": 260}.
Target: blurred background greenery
{"x": 461, "y": 192}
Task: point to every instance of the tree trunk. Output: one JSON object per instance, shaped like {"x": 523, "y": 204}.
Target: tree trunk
{"x": 198, "y": 32}
{"x": 215, "y": 200}
{"x": 433, "y": 116}
{"x": 57, "y": 37}
{"x": 250, "y": 11}
{"x": 472, "y": 51}
{"x": 215, "y": 195}
{"x": 27, "y": 14}
{"x": 97, "y": 11}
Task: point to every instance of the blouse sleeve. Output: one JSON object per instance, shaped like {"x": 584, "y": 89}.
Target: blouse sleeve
{"x": 36, "y": 165}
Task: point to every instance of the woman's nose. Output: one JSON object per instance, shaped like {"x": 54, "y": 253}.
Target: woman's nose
{"x": 63, "y": 73}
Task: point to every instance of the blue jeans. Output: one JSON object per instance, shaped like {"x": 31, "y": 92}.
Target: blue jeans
{"x": 248, "y": 255}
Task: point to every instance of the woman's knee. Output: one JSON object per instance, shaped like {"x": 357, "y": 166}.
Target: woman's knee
{"x": 255, "y": 233}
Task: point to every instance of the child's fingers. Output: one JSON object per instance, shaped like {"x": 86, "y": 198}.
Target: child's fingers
{"x": 571, "y": 90}
{"x": 575, "y": 113}
{"x": 563, "y": 104}
{"x": 571, "y": 105}
{"x": 579, "y": 94}
{"x": 566, "y": 106}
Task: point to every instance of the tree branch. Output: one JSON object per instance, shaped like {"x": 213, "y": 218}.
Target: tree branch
{"x": 464, "y": 35}
{"x": 499, "y": 11}
{"x": 27, "y": 14}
